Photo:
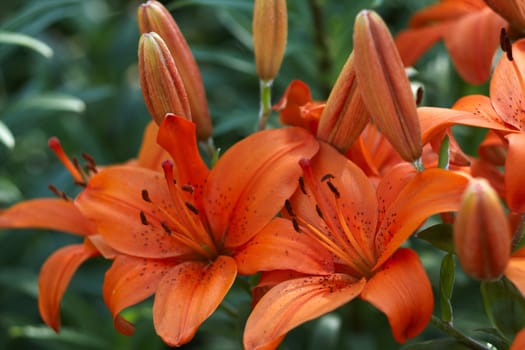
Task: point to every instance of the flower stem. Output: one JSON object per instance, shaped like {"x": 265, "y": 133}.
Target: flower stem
{"x": 462, "y": 338}
{"x": 266, "y": 102}
{"x": 520, "y": 232}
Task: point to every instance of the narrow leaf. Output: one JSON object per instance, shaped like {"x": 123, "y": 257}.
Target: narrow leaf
{"x": 446, "y": 285}
{"x": 444, "y": 153}
{"x": 68, "y": 336}
{"x": 6, "y": 137}
{"x": 440, "y": 236}
{"x": 26, "y": 41}
{"x": 55, "y": 102}
{"x": 504, "y": 305}
{"x": 437, "y": 344}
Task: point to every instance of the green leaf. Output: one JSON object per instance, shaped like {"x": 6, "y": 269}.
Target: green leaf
{"x": 504, "y": 305}
{"x": 9, "y": 192}
{"x": 26, "y": 41}
{"x": 437, "y": 344}
{"x": 68, "y": 336}
{"x": 440, "y": 236}
{"x": 446, "y": 285}
{"x": 444, "y": 153}
{"x": 19, "y": 279}
{"x": 492, "y": 336}
{"x": 54, "y": 102}
{"x": 6, "y": 137}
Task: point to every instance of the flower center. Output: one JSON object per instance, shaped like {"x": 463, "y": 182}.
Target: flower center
{"x": 331, "y": 228}
{"x": 181, "y": 219}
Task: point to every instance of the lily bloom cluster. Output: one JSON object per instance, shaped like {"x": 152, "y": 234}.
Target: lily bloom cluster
{"x": 320, "y": 208}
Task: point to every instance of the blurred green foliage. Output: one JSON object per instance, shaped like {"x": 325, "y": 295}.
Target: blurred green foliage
{"x": 68, "y": 68}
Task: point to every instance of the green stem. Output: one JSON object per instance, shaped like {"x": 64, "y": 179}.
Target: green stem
{"x": 266, "y": 102}
{"x": 462, "y": 338}
{"x": 418, "y": 164}
{"x": 520, "y": 232}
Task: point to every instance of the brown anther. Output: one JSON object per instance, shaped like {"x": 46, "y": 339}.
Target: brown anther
{"x": 301, "y": 185}
{"x": 334, "y": 190}
{"x": 288, "y": 207}
{"x": 143, "y": 218}
{"x": 327, "y": 177}
{"x": 166, "y": 228}
{"x": 188, "y": 188}
{"x": 419, "y": 95}
{"x": 296, "y": 225}
{"x": 81, "y": 183}
{"x": 505, "y": 44}
{"x": 58, "y": 193}
{"x": 91, "y": 168}
{"x": 319, "y": 212}
{"x": 145, "y": 196}
{"x": 88, "y": 158}
{"x": 192, "y": 208}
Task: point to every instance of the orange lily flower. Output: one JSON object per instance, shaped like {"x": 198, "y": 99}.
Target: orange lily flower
{"x": 62, "y": 214}
{"x": 186, "y": 236}
{"x": 519, "y": 341}
{"x": 469, "y": 28}
{"x": 362, "y": 227}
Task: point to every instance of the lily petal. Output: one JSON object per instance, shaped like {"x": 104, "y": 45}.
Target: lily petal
{"x": 114, "y": 202}
{"x": 294, "y": 302}
{"x": 507, "y": 91}
{"x": 515, "y": 270}
{"x": 473, "y": 57}
{"x": 129, "y": 281}
{"x": 296, "y": 96}
{"x": 514, "y": 169}
{"x": 55, "y": 275}
{"x": 519, "y": 341}
{"x": 430, "y": 192}
{"x": 402, "y": 290}
{"x": 151, "y": 155}
{"x": 278, "y": 247}
{"x": 188, "y": 295}
{"x": 177, "y": 136}
{"x": 47, "y": 213}
{"x": 240, "y": 203}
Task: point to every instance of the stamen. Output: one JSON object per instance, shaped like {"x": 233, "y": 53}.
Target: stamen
{"x": 319, "y": 212}
{"x": 296, "y": 225}
{"x": 55, "y": 146}
{"x": 145, "y": 196}
{"x": 58, "y": 193}
{"x": 165, "y": 227}
{"x": 192, "y": 208}
{"x": 301, "y": 185}
{"x": 506, "y": 44}
{"x": 91, "y": 164}
{"x": 419, "y": 95}
{"x": 188, "y": 188}
{"x": 77, "y": 165}
{"x": 288, "y": 208}
{"x": 327, "y": 177}
{"x": 334, "y": 190}
{"x": 143, "y": 218}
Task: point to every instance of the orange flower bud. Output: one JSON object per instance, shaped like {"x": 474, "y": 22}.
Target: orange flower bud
{"x": 161, "y": 83}
{"x": 384, "y": 86}
{"x": 154, "y": 17}
{"x": 482, "y": 234}
{"x": 345, "y": 115}
{"x": 270, "y": 28}
{"x": 513, "y": 11}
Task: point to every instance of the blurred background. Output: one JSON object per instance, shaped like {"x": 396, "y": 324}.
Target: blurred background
{"x": 68, "y": 68}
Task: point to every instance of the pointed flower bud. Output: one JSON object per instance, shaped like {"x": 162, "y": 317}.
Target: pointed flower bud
{"x": 154, "y": 17}
{"x": 345, "y": 115}
{"x": 513, "y": 11}
{"x": 482, "y": 234}
{"x": 384, "y": 86}
{"x": 161, "y": 83}
{"x": 270, "y": 28}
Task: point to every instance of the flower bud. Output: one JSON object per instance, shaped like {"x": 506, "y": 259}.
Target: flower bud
{"x": 513, "y": 11}
{"x": 154, "y": 17}
{"x": 270, "y": 28}
{"x": 161, "y": 83}
{"x": 482, "y": 234}
{"x": 384, "y": 86}
{"x": 345, "y": 115}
